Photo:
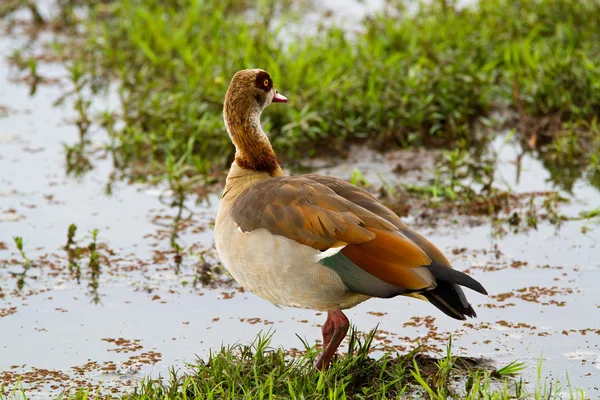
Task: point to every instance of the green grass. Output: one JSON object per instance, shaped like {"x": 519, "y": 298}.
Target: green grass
{"x": 257, "y": 371}
{"x": 409, "y": 79}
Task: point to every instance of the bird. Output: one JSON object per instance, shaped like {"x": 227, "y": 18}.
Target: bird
{"x": 313, "y": 241}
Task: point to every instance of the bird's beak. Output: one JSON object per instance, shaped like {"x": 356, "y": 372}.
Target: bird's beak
{"x": 279, "y": 98}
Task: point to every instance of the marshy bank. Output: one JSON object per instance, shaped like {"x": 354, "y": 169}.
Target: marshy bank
{"x": 489, "y": 116}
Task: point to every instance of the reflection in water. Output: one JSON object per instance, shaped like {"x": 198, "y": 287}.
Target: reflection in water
{"x": 570, "y": 153}
{"x": 77, "y": 160}
{"x": 519, "y": 165}
{"x": 26, "y": 263}
{"x": 78, "y": 155}
{"x": 474, "y": 183}
{"x": 94, "y": 268}
{"x": 175, "y": 226}
{"x": 76, "y": 253}
{"x": 73, "y": 253}
{"x": 204, "y": 273}
{"x": 179, "y": 203}
{"x": 87, "y": 259}
{"x": 563, "y": 174}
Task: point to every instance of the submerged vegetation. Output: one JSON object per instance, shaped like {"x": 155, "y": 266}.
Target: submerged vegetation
{"x": 425, "y": 77}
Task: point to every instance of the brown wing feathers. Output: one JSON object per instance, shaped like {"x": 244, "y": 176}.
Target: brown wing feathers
{"x": 304, "y": 211}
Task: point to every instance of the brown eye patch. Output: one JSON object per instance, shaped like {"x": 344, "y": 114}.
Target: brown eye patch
{"x": 263, "y": 81}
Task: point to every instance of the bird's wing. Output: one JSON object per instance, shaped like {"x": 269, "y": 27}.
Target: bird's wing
{"x": 369, "y": 202}
{"x": 383, "y": 261}
{"x": 447, "y": 294}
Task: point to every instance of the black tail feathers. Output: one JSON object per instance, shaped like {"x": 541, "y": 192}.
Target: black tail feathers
{"x": 448, "y": 296}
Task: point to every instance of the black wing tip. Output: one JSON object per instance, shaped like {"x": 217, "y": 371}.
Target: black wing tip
{"x": 453, "y": 276}
{"x": 471, "y": 312}
{"x": 450, "y": 308}
{"x": 448, "y": 295}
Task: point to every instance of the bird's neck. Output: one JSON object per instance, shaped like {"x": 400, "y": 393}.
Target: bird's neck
{"x": 253, "y": 149}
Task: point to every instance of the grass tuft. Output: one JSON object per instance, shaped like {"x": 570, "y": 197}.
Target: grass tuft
{"x": 513, "y": 368}
{"x": 258, "y": 371}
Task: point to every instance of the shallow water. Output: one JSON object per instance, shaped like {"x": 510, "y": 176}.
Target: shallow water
{"x": 150, "y": 315}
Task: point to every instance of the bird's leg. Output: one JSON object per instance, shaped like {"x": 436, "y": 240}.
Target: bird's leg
{"x": 327, "y": 331}
{"x": 334, "y": 331}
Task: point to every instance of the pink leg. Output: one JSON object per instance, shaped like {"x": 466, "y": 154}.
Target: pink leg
{"x": 334, "y": 331}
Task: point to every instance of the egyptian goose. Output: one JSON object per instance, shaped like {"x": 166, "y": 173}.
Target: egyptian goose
{"x": 313, "y": 241}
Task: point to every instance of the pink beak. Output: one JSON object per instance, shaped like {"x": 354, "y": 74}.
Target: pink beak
{"x": 279, "y": 98}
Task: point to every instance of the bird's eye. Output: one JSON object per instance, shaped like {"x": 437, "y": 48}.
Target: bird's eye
{"x": 266, "y": 82}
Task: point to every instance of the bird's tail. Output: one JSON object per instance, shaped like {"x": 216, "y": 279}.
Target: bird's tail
{"x": 448, "y": 295}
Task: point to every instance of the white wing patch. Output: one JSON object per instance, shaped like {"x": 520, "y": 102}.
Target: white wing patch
{"x": 329, "y": 252}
